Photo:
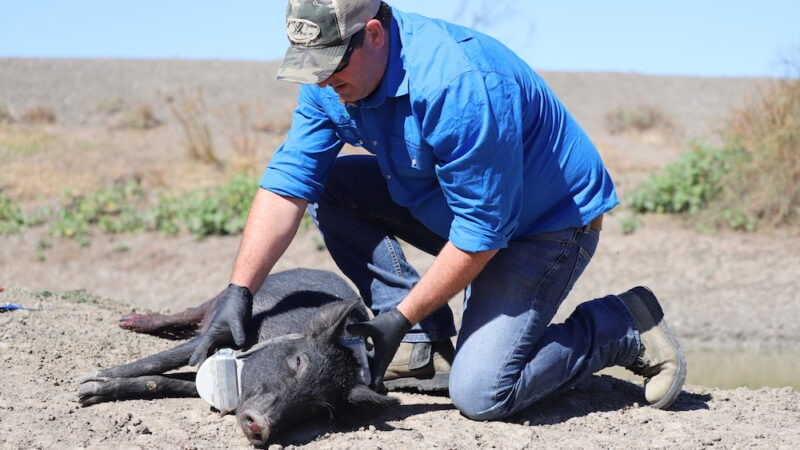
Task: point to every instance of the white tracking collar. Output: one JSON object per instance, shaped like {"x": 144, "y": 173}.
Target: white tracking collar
{"x": 219, "y": 378}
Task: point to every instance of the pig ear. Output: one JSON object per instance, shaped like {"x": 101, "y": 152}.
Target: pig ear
{"x": 329, "y": 322}
{"x": 368, "y": 403}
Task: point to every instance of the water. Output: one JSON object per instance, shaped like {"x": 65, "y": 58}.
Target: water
{"x": 727, "y": 369}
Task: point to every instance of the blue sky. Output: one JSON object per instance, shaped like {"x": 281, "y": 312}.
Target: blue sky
{"x": 675, "y": 37}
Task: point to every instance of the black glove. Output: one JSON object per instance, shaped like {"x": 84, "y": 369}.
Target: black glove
{"x": 386, "y": 331}
{"x": 230, "y": 317}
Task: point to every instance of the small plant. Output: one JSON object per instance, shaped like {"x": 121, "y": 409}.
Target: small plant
{"x": 221, "y": 211}
{"x": 637, "y": 119}
{"x": 12, "y": 218}
{"x": 124, "y": 208}
{"x": 191, "y": 113}
{"x": 110, "y": 210}
{"x": 42, "y": 245}
{"x": 630, "y": 223}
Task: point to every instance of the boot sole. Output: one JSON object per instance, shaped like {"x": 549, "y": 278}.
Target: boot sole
{"x": 680, "y": 377}
{"x": 438, "y": 383}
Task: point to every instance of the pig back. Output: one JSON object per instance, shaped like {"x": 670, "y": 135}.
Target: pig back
{"x": 287, "y": 301}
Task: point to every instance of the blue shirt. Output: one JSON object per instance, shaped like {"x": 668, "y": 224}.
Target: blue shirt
{"x": 467, "y": 135}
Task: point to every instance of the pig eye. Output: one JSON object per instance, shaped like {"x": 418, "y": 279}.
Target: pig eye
{"x": 297, "y": 363}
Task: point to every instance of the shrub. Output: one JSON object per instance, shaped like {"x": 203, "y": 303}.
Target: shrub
{"x": 219, "y": 211}
{"x": 686, "y": 186}
{"x": 638, "y": 119}
{"x": 38, "y": 114}
{"x": 764, "y": 187}
{"x": 753, "y": 181}
{"x": 191, "y": 113}
{"x": 141, "y": 117}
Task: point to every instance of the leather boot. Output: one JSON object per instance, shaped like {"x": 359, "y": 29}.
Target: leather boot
{"x": 420, "y": 366}
{"x": 660, "y": 361}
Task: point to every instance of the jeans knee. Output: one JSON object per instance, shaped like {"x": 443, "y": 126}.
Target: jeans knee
{"x": 474, "y": 398}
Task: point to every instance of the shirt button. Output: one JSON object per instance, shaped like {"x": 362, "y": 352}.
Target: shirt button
{"x": 375, "y": 143}
{"x": 388, "y": 177}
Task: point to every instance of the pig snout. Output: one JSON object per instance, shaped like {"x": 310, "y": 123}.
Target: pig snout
{"x": 255, "y": 426}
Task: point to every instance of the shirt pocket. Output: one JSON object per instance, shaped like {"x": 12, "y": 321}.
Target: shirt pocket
{"x": 411, "y": 160}
{"x": 408, "y": 153}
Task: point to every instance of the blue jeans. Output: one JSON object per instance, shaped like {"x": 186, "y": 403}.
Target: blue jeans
{"x": 508, "y": 354}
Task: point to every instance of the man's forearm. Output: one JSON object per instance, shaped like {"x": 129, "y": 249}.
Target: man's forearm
{"x": 449, "y": 274}
{"x": 271, "y": 225}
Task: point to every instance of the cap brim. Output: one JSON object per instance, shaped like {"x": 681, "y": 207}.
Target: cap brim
{"x": 310, "y": 65}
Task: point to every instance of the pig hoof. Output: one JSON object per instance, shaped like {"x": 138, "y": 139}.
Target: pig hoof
{"x": 90, "y": 376}
{"x": 141, "y": 323}
{"x": 87, "y": 394}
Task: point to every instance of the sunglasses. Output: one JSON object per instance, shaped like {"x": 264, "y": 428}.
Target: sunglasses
{"x": 355, "y": 41}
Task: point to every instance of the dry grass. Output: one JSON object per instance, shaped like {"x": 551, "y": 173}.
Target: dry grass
{"x": 766, "y": 184}
{"x": 639, "y": 118}
{"x": 38, "y": 114}
{"x": 5, "y": 115}
{"x": 243, "y": 141}
{"x": 141, "y": 117}
{"x": 190, "y": 110}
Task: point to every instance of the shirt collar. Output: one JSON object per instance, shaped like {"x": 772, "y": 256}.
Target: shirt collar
{"x": 395, "y": 79}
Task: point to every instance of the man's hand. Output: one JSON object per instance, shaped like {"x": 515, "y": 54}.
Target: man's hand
{"x": 386, "y": 331}
{"x": 232, "y": 314}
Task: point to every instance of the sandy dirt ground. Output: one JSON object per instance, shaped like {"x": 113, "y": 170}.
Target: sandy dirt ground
{"x": 725, "y": 294}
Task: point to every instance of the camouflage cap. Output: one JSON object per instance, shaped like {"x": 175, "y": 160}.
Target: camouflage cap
{"x": 319, "y": 31}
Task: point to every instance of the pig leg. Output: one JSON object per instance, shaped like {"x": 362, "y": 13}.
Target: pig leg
{"x": 149, "y": 365}
{"x": 141, "y": 378}
{"x": 175, "y": 326}
{"x": 144, "y": 387}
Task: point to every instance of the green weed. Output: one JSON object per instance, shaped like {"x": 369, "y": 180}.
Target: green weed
{"x": 686, "y": 186}
{"x": 220, "y": 211}
{"x": 109, "y": 210}
{"x": 12, "y": 218}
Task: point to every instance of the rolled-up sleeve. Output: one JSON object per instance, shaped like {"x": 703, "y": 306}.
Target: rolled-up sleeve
{"x": 299, "y": 167}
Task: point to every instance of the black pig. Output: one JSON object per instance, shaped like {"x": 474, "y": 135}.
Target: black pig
{"x": 282, "y": 383}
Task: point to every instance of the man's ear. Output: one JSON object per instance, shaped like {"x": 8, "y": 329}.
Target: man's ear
{"x": 376, "y": 34}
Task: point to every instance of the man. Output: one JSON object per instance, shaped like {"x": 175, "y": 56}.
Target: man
{"x": 473, "y": 159}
